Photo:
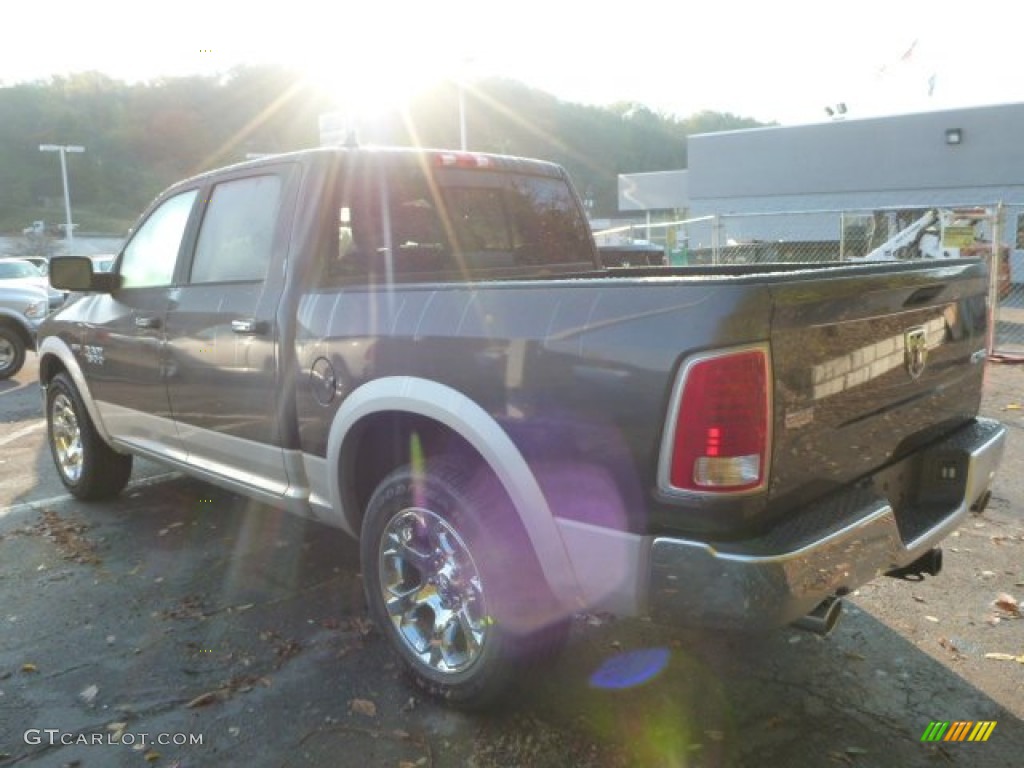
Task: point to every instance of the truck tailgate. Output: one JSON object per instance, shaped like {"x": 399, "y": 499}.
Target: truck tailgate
{"x": 869, "y": 367}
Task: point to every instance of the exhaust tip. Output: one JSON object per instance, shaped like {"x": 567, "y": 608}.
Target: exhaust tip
{"x": 823, "y": 619}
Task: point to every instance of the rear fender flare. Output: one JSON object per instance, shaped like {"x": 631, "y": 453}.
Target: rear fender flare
{"x": 447, "y": 406}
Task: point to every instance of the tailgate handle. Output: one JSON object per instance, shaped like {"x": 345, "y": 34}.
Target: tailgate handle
{"x": 924, "y": 295}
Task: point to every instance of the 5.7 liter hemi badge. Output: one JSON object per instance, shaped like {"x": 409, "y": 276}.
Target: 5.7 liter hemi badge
{"x": 93, "y": 354}
{"x": 915, "y": 346}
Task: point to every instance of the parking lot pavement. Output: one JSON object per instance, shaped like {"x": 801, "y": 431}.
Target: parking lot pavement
{"x": 181, "y": 625}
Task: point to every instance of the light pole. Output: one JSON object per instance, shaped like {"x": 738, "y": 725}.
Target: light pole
{"x": 463, "y": 71}
{"x": 63, "y": 149}
{"x": 462, "y": 115}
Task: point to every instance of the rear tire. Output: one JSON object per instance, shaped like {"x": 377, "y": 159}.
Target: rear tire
{"x": 453, "y": 583}
{"x": 12, "y": 351}
{"x": 89, "y": 468}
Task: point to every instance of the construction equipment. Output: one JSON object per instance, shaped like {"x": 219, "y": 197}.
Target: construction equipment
{"x": 945, "y": 234}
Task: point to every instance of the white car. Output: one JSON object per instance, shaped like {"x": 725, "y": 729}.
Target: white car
{"x": 21, "y": 272}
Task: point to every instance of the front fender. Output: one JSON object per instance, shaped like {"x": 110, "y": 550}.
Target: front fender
{"x": 409, "y": 394}
{"x": 56, "y": 347}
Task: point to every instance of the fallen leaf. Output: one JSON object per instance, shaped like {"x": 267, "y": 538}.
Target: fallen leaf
{"x": 918, "y": 598}
{"x": 856, "y": 751}
{"x": 853, "y": 655}
{"x": 29, "y": 668}
{"x": 152, "y": 756}
{"x": 363, "y": 707}
{"x": 1001, "y": 656}
{"x": 933, "y": 619}
{"x": 89, "y": 694}
{"x": 1008, "y": 603}
{"x": 205, "y": 698}
{"x": 1014, "y": 407}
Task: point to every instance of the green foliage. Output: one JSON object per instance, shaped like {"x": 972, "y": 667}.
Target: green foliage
{"x": 139, "y": 138}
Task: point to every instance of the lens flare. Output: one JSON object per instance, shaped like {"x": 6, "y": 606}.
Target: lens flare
{"x": 630, "y": 669}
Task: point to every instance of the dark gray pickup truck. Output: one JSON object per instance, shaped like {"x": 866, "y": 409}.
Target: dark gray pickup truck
{"x": 422, "y": 348}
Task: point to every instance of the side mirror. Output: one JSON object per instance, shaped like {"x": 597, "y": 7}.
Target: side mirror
{"x": 74, "y": 273}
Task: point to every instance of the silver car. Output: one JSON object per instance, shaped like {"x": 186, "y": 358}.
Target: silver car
{"x": 22, "y": 309}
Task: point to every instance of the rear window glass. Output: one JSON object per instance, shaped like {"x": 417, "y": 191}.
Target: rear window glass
{"x": 452, "y": 224}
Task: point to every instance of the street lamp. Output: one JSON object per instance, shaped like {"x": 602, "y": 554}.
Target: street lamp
{"x": 466, "y": 64}
{"x": 63, "y": 149}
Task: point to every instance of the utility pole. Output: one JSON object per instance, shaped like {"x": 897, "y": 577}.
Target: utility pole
{"x": 64, "y": 149}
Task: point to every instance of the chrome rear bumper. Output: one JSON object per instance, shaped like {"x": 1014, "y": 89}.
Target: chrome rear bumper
{"x": 832, "y": 547}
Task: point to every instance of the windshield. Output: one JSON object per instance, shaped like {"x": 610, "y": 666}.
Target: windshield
{"x": 16, "y": 269}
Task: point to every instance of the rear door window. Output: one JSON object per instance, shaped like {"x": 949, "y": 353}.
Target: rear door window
{"x": 236, "y": 237}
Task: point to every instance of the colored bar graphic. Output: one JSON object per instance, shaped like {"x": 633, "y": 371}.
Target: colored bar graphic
{"x": 959, "y": 730}
{"x": 982, "y": 731}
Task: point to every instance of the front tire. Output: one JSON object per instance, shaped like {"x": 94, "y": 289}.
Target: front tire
{"x": 12, "y": 352}
{"x": 452, "y": 581}
{"x": 88, "y": 467}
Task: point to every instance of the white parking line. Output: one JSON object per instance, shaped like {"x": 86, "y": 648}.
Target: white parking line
{"x": 28, "y": 506}
{"x": 22, "y": 432}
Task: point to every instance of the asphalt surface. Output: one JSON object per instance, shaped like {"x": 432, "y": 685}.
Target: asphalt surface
{"x": 179, "y": 613}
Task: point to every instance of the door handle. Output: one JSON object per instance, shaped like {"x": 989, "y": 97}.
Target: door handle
{"x": 248, "y": 326}
{"x": 144, "y": 321}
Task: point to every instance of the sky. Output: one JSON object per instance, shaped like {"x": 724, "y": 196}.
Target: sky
{"x": 782, "y": 61}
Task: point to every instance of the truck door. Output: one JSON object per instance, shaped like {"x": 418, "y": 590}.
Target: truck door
{"x": 222, "y": 331}
{"x": 124, "y": 354}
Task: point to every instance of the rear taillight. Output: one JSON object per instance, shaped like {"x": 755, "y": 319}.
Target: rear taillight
{"x": 722, "y": 424}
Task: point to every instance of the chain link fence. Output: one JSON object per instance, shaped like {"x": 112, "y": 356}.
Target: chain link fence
{"x": 834, "y": 236}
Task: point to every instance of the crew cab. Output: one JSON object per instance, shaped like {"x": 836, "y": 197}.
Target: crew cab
{"x": 423, "y": 349}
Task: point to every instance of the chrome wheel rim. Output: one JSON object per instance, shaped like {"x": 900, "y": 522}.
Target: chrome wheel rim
{"x": 432, "y": 591}
{"x": 67, "y": 437}
{"x": 6, "y": 353}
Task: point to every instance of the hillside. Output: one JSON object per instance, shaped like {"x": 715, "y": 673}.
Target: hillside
{"x": 141, "y": 137}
